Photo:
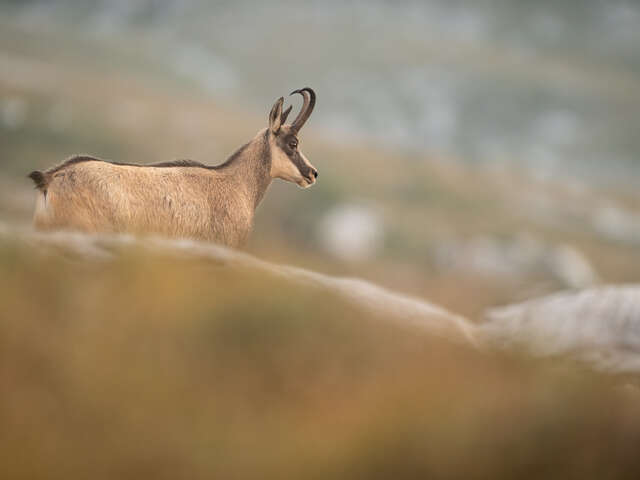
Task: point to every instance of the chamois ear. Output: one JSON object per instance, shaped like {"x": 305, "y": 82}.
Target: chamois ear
{"x": 285, "y": 114}
{"x": 275, "y": 117}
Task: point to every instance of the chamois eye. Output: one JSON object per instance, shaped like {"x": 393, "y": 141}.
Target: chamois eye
{"x": 293, "y": 144}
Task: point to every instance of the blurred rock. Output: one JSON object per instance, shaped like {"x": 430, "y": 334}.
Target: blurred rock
{"x": 617, "y": 224}
{"x": 351, "y": 232}
{"x": 517, "y": 257}
{"x": 600, "y": 326}
{"x": 572, "y": 267}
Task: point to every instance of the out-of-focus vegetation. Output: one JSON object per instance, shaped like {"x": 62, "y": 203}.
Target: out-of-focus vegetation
{"x": 148, "y": 367}
{"x": 472, "y": 154}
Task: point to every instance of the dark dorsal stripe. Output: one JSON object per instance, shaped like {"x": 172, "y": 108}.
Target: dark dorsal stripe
{"x": 41, "y": 179}
{"x": 85, "y": 158}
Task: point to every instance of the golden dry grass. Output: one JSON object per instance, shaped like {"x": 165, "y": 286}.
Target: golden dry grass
{"x": 151, "y": 367}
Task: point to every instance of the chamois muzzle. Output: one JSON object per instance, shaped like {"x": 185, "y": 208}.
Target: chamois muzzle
{"x": 309, "y": 102}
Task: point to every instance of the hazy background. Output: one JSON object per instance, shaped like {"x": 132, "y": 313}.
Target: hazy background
{"x": 470, "y": 153}
{"x": 550, "y": 86}
{"x": 494, "y": 139}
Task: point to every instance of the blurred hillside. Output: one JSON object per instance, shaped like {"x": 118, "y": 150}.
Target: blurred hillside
{"x": 471, "y": 154}
{"x": 155, "y": 364}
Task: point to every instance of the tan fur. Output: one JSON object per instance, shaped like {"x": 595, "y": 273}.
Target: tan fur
{"x": 215, "y": 204}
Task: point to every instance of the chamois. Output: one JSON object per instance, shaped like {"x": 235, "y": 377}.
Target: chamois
{"x": 182, "y": 198}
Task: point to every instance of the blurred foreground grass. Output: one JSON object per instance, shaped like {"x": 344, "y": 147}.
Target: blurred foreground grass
{"x": 148, "y": 367}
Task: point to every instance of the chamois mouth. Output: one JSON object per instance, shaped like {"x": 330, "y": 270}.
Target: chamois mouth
{"x": 306, "y": 182}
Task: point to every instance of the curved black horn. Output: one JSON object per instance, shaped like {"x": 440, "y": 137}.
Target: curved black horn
{"x": 307, "y": 107}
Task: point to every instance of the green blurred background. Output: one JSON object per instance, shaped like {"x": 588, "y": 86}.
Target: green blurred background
{"x": 471, "y": 153}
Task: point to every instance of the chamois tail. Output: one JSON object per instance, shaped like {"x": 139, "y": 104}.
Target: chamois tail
{"x": 40, "y": 179}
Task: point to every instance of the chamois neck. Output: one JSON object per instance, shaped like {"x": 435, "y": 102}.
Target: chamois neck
{"x": 250, "y": 164}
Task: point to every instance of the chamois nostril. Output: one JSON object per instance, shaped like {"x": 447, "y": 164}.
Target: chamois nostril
{"x": 315, "y": 173}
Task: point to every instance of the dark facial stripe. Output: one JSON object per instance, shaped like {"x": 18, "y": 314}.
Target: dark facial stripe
{"x": 283, "y": 140}
{"x": 304, "y": 169}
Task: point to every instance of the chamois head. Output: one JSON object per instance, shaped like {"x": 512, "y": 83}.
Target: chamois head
{"x": 287, "y": 161}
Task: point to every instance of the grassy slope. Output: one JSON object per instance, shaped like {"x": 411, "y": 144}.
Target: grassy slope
{"x": 152, "y": 367}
